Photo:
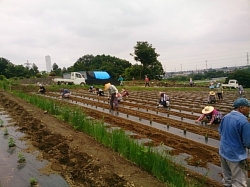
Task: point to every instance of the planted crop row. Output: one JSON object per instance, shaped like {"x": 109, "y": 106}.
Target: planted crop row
{"x": 158, "y": 164}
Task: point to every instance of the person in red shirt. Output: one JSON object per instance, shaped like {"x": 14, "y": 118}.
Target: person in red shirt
{"x": 146, "y": 81}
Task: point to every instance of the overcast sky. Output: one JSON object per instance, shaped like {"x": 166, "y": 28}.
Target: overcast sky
{"x": 188, "y": 34}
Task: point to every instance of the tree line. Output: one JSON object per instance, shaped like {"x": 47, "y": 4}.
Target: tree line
{"x": 241, "y": 75}
{"x": 144, "y": 54}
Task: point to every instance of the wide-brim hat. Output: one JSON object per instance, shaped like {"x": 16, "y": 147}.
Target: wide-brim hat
{"x": 106, "y": 86}
{"x": 207, "y": 109}
{"x": 211, "y": 93}
{"x": 123, "y": 90}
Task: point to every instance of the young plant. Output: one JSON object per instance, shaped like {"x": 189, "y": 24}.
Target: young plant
{"x": 33, "y": 181}
{"x": 11, "y": 142}
{"x": 5, "y": 132}
{"x": 1, "y": 123}
{"x": 185, "y": 131}
{"x": 21, "y": 158}
{"x": 206, "y": 137}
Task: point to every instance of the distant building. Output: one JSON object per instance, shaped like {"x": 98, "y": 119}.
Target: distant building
{"x": 186, "y": 73}
{"x": 48, "y": 63}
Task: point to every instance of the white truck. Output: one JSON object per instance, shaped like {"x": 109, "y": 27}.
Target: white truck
{"x": 232, "y": 83}
{"x": 75, "y": 78}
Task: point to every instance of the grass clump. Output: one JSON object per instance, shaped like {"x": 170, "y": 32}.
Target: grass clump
{"x": 21, "y": 158}
{"x": 33, "y": 181}
{"x": 11, "y": 142}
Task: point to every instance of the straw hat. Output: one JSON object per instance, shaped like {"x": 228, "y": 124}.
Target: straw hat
{"x": 106, "y": 86}
{"x": 123, "y": 90}
{"x": 211, "y": 93}
{"x": 207, "y": 109}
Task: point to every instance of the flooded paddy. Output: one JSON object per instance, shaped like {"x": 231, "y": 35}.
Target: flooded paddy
{"x": 13, "y": 173}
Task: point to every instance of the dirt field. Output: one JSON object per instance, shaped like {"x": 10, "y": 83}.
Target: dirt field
{"x": 77, "y": 157}
{"x": 84, "y": 162}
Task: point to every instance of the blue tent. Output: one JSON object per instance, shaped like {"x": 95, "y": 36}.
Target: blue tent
{"x": 101, "y": 75}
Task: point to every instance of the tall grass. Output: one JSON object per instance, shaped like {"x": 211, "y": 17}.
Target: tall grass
{"x": 5, "y": 84}
{"x": 159, "y": 164}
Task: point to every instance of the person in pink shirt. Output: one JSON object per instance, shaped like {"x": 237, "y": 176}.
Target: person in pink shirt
{"x": 146, "y": 81}
{"x": 211, "y": 114}
{"x": 124, "y": 93}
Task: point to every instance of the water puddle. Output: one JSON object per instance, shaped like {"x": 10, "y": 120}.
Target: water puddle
{"x": 13, "y": 173}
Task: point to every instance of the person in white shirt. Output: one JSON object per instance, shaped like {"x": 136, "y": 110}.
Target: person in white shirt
{"x": 112, "y": 95}
{"x": 164, "y": 100}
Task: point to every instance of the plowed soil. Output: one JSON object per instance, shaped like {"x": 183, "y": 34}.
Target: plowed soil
{"x": 84, "y": 162}
{"x": 77, "y": 157}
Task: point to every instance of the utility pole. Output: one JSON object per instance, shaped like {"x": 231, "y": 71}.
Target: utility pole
{"x": 206, "y": 64}
{"x": 27, "y": 64}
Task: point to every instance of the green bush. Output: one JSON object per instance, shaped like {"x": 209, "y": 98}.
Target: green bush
{"x": 2, "y": 77}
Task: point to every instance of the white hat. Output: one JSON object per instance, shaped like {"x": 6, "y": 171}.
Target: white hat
{"x": 207, "y": 109}
{"x": 40, "y": 84}
{"x": 106, "y": 86}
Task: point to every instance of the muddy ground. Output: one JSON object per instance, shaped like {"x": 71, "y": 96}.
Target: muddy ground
{"x": 77, "y": 157}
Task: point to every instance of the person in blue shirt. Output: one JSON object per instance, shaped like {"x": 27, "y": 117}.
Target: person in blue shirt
{"x": 234, "y": 139}
{"x": 120, "y": 80}
{"x": 65, "y": 93}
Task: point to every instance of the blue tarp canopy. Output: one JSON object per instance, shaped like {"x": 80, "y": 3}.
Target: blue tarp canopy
{"x": 101, "y": 75}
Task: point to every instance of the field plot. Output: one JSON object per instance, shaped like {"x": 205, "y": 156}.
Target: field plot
{"x": 172, "y": 129}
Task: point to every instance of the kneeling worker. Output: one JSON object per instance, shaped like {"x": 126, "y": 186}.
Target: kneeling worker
{"x": 65, "y": 93}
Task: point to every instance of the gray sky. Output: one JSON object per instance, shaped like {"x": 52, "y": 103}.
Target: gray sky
{"x": 188, "y": 35}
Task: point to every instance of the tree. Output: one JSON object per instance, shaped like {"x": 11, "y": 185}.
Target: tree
{"x": 84, "y": 63}
{"x": 146, "y": 55}
{"x": 56, "y": 69}
{"x": 3, "y": 65}
{"x": 114, "y": 66}
{"x": 33, "y": 71}
{"x": 242, "y": 76}
{"x": 133, "y": 71}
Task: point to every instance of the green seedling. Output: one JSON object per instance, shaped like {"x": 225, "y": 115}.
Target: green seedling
{"x": 11, "y": 142}
{"x": 5, "y": 132}
{"x": 206, "y": 137}
{"x": 1, "y": 123}
{"x": 21, "y": 158}
{"x": 33, "y": 181}
{"x": 185, "y": 131}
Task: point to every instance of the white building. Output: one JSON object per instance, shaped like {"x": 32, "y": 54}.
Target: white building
{"x": 48, "y": 63}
